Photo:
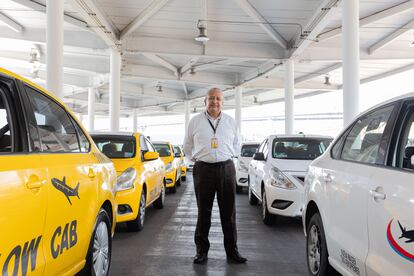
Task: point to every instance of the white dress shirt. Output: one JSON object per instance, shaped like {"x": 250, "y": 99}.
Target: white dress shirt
{"x": 197, "y": 142}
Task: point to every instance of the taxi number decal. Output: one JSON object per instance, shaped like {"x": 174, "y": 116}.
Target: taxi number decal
{"x": 20, "y": 258}
{"x": 63, "y": 239}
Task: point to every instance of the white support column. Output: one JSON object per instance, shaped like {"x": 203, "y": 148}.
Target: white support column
{"x": 350, "y": 53}
{"x": 91, "y": 109}
{"x": 289, "y": 100}
{"x": 238, "y": 98}
{"x": 115, "y": 90}
{"x": 54, "y": 47}
{"x": 187, "y": 107}
{"x": 135, "y": 120}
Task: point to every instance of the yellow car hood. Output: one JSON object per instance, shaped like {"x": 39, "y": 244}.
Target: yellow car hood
{"x": 122, "y": 164}
{"x": 167, "y": 159}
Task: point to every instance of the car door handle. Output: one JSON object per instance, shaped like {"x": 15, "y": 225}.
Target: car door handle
{"x": 91, "y": 173}
{"x": 377, "y": 195}
{"x": 34, "y": 182}
{"x": 328, "y": 178}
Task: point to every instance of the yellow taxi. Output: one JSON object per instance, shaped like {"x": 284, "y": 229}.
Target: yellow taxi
{"x": 57, "y": 189}
{"x": 183, "y": 166}
{"x": 141, "y": 175}
{"x": 172, "y": 165}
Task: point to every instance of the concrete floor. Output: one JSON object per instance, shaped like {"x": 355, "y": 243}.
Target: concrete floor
{"x": 165, "y": 246}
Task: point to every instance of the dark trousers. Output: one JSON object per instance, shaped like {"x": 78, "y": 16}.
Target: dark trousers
{"x": 210, "y": 179}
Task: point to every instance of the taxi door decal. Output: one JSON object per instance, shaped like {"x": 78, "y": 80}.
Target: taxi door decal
{"x": 65, "y": 189}
{"x": 398, "y": 248}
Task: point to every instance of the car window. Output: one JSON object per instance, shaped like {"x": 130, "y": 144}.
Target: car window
{"x": 85, "y": 145}
{"x": 163, "y": 149}
{"x": 150, "y": 146}
{"x": 406, "y": 149}
{"x": 116, "y": 146}
{"x": 56, "y": 130}
{"x": 5, "y": 125}
{"x": 248, "y": 150}
{"x": 363, "y": 141}
{"x": 299, "y": 148}
{"x": 143, "y": 145}
{"x": 262, "y": 145}
{"x": 337, "y": 148}
{"x": 265, "y": 150}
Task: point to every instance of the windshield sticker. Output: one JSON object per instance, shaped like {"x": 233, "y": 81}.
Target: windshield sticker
{"x": 404, "y": 240}
{"x": 65, "y": 189}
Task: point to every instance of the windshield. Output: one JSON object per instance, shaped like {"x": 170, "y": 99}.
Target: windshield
{"x": 116, "y": 146}
{"x": 248, "y": 150}
{"x": 299, "y": 148}
{"x": 177, "y": 149}
{"x": 163, "y": 149}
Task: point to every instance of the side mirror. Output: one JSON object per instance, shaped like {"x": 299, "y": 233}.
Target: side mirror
{"x": 259, "y": 156}
{"x": 177, "y": 155}
{"x": 151, "y": 155}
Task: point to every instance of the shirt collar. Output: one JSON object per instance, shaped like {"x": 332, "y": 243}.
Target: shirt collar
{"x": 211, "y": 118}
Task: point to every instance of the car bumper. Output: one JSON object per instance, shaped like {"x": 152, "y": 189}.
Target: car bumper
{"x": 241, "y": 178}
{"x": 284, "y": 202}
{"x": 128, "y": 202}
{"x": 170, "y": 179}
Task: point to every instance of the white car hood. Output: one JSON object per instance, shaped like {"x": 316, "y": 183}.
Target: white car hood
{"x": 290, "y": 165}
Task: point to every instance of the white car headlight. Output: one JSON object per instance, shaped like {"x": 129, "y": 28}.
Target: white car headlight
{"x": 126, "y": 179}
{"x": 278, "y": 179}
{"x": 243, "y": 167}
{"x": 169, "y": 167}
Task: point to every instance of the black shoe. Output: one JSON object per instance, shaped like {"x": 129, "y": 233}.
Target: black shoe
{"x": 200, "y": 258}
{"x": 236, "y": 258}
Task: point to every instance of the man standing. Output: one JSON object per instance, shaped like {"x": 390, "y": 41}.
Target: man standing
{"x": 211, "y": 141}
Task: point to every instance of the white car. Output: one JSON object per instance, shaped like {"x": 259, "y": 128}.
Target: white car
{"x": 359, "y": 196}
{"x": 277, "y": 173}
{"x": 242, "y": 164}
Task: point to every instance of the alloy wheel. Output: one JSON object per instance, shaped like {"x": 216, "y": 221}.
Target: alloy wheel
{"x": 100, "y": 250}
{"x": 314, "y": 250}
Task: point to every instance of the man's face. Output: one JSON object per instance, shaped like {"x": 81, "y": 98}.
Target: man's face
{"x": 214, "y": 101}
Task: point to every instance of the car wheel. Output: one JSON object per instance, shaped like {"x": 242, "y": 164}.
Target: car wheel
{"x": 268, "y": 218}
{"x": 98, "y": 258}
{"x": 183, "y": 178}
{"x": 138, "y": 223}
{"x": 159, "y": 203}
{"x": 252, "y": 198}
{"x": 316, "y": 249}
{"x": 239, "y": 189}
{"x": 174, "y": 188}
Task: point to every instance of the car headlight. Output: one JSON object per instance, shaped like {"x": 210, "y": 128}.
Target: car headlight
{"x": 126, "y": 179}
{"x": 169, "y": 167}
{"x": 278, "y": 179}
{"x": 243, "y": 167}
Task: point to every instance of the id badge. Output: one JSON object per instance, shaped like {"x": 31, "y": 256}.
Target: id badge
{"x": 214, "y": 143}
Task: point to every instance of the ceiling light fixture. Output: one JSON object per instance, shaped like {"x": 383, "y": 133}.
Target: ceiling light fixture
{"x": 255, "y": 100}
{"x": 202, "y": 36}
{"x": 192, "y": 70}
{"x": 159, "y": 88}
{"x": 327, "y": 82}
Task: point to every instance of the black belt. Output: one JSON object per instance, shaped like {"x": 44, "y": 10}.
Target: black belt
{"x": 216, "y": 163}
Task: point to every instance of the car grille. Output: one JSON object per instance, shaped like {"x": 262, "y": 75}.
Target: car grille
{"x": 301, "y": 179}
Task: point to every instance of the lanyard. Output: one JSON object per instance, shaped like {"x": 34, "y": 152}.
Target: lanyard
{"x": 214, "y": 128}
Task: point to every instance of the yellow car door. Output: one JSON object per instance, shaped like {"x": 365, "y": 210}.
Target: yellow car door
{"x": 23, "y": 191}
{"x": 71, "y": 176}
{"x": 149, "y": 171}
{"x": 159, "y": 173}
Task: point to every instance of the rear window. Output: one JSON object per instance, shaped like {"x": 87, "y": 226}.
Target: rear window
{"x": 163, "y": 149}
{"x": 248, "y": 150}
{"x": 299, "y": 148}
{"x": 116, "y": 147}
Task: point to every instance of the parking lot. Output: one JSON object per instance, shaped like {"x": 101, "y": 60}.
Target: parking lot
{"x": 165, "y": 246}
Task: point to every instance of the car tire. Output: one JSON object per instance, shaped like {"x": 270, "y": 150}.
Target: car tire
{"x": 174, "y": 189}
{"x": 316, "y": 249}
{"x": 183, "y": 178}
{"x": 239, "y": 189}
{"x": 159, "y": 203}
{"x": 253, "y": 200}
{"x": 267, "y": 218}
{"x": 138, "y": 223}
{"x": 100, "y": 247}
